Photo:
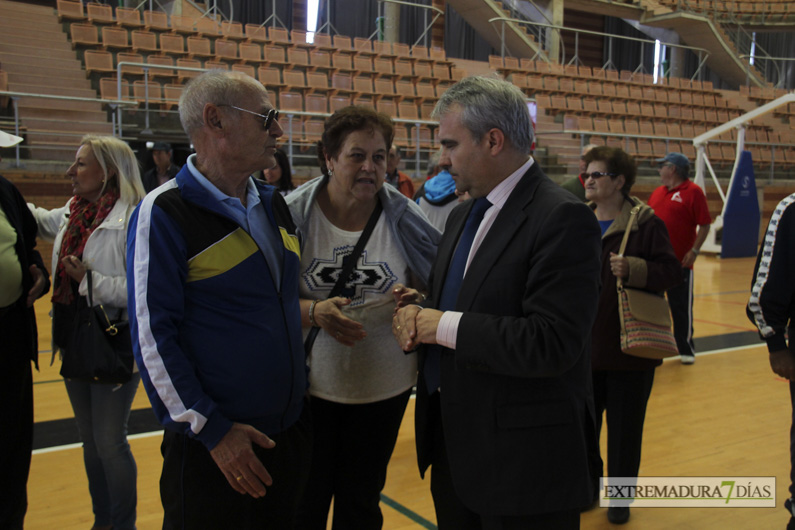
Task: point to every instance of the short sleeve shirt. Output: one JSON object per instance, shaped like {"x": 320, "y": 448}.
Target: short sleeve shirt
{"x": 683, "y": 209}
{"x": 375, "y": 368}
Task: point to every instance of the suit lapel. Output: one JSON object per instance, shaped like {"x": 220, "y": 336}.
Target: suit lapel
{"x": 504, "y": 229}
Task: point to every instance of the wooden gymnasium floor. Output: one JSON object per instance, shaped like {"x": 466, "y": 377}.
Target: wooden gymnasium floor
{"x": 725, "y": 415}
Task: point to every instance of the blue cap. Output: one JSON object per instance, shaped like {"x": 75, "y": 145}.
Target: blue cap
{"x": 679, "y": 160}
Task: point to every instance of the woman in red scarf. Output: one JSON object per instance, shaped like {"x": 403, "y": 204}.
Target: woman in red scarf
{"x": 90, "y": 232}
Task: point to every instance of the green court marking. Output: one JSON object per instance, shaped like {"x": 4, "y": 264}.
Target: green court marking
{"x": 424, "y": 523}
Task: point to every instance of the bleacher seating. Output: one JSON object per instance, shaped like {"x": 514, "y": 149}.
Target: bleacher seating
{"x": 749, "y": 13}
{"x": 622, "y": 104}
{"x": 621, "y": 107}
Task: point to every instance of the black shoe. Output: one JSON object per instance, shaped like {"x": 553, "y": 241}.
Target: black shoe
{"x": 618, "y": 515}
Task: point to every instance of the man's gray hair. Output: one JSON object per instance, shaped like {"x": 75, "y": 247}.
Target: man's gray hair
{"x": 219, "y": 87}
{"x": 487, "y": 103}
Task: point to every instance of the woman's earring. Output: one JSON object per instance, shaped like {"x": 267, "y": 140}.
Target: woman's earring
{"x": 330, "y": 173}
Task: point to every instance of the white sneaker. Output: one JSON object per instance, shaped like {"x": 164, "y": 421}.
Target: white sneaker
{"x": 688, "y": 359}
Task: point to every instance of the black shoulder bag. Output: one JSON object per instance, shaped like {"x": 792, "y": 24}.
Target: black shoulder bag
{"x": 100, "y": 350}
{"x": 346, "y": 270}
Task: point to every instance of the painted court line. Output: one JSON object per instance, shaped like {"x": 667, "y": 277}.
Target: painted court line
{"x": 413, "y": 516}
{"x": 66, "y": 447}
{"x": 160, "y": 432}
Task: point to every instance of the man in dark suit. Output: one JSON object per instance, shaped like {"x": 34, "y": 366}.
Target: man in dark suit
{"x": 504, "y": 411}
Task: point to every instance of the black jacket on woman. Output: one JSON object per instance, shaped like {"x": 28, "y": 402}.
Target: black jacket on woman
{"x": 652, "y": 267}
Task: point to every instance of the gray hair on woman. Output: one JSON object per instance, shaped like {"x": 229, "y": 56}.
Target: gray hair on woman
{"x": 117, "y": 159}
{"x": 218, "y": 87}
{"x": 487, "y": 103}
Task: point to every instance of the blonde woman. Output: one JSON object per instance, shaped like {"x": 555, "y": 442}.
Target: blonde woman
{"x": 90, "y": 232}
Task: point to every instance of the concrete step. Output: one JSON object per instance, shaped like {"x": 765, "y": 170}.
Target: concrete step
{"x": 10, "y": 60}
{"x": 57, "y": 90}
{"x": 55, "y": 104}
{"x": 560, "y": 141}
{"x": 37, "y": 113}
{"x": 19, "y": 28}
{"x": 41, "y": 166}
{"x": 46, "y": 137}
{"x": 33, "y": 23}
{"x": 59, "y": 51}
{"x": 64, "y": 153}
{"x": 41, "y": 71}
{"x": 70, "y": 77}
{"x": 41, "y": 39}
{"x": 64, "y": 122}
{"x": 79, "y": 127}
{"x": 11, "y": 8}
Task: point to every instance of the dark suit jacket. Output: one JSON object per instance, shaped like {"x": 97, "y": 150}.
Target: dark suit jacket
{"x": 24, "y": 339}
{"x": 516, "y": 398}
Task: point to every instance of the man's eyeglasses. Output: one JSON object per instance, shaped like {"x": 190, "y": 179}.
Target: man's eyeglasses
{"x": 598, "y": 174}
{"x": 273, "y": 115}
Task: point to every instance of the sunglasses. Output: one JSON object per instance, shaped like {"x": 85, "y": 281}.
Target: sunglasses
{"x": 273, "y": 115}
{"x": 598, "y": 174}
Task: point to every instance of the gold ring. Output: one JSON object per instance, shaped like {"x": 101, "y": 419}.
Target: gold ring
{"x": 239, "y": 478}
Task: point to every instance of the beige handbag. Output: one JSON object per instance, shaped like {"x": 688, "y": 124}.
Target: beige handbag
{"x": 645, "y": 317}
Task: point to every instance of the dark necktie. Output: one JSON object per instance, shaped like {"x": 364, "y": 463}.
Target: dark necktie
{"x": 452, "y": 284}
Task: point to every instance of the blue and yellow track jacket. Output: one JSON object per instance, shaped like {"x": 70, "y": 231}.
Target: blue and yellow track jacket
{"x": 216, "y": 339}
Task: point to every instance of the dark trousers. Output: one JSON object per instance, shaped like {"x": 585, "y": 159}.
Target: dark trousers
{"x": 624, "y": 395}
{"x": 196, "y": 494}
{"x": 792, "y": 442}
{"x": 351, "y": 451}
{"x": 452, "y": 514}
{"x": 680, "y": 299}
{"x": 16, "y": 421}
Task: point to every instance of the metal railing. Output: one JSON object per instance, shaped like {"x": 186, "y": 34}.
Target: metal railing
{"x": 744, "y": 43}
{"x": 14, "y": 96}
{"x": 770, "y": 63}
{"x": 702, "y": 53}
{"x": 426, "y": 25}
{"x": 116, "y": 123}
{"x": 145, "y": 67}
{"x": 700, "y": 142}
{"x": 287, "y": 116}
{"x": 627, "y": 138}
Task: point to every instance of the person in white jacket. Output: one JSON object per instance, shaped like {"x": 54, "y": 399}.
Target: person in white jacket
{"x": 90, "y": 232}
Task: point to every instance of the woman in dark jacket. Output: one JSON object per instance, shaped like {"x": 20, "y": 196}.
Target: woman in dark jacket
{"x": 622, "y": 383}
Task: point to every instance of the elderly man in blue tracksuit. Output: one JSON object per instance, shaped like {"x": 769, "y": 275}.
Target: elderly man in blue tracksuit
{"x": 213, "y": 260}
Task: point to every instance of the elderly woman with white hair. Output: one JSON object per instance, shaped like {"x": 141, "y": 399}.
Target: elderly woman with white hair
{"x": 90, "y": 233}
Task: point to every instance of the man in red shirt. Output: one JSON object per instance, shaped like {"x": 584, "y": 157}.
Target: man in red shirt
{"x": 682, "y": 206}
{"x": 397, "y": 178}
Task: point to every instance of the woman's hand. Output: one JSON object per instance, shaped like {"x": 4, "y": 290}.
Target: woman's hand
{"x": 328, "y": 316}
{"x": 74, "y": 268}
{"x": 406, "y": 296}
{"x": 619, "y": 266}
